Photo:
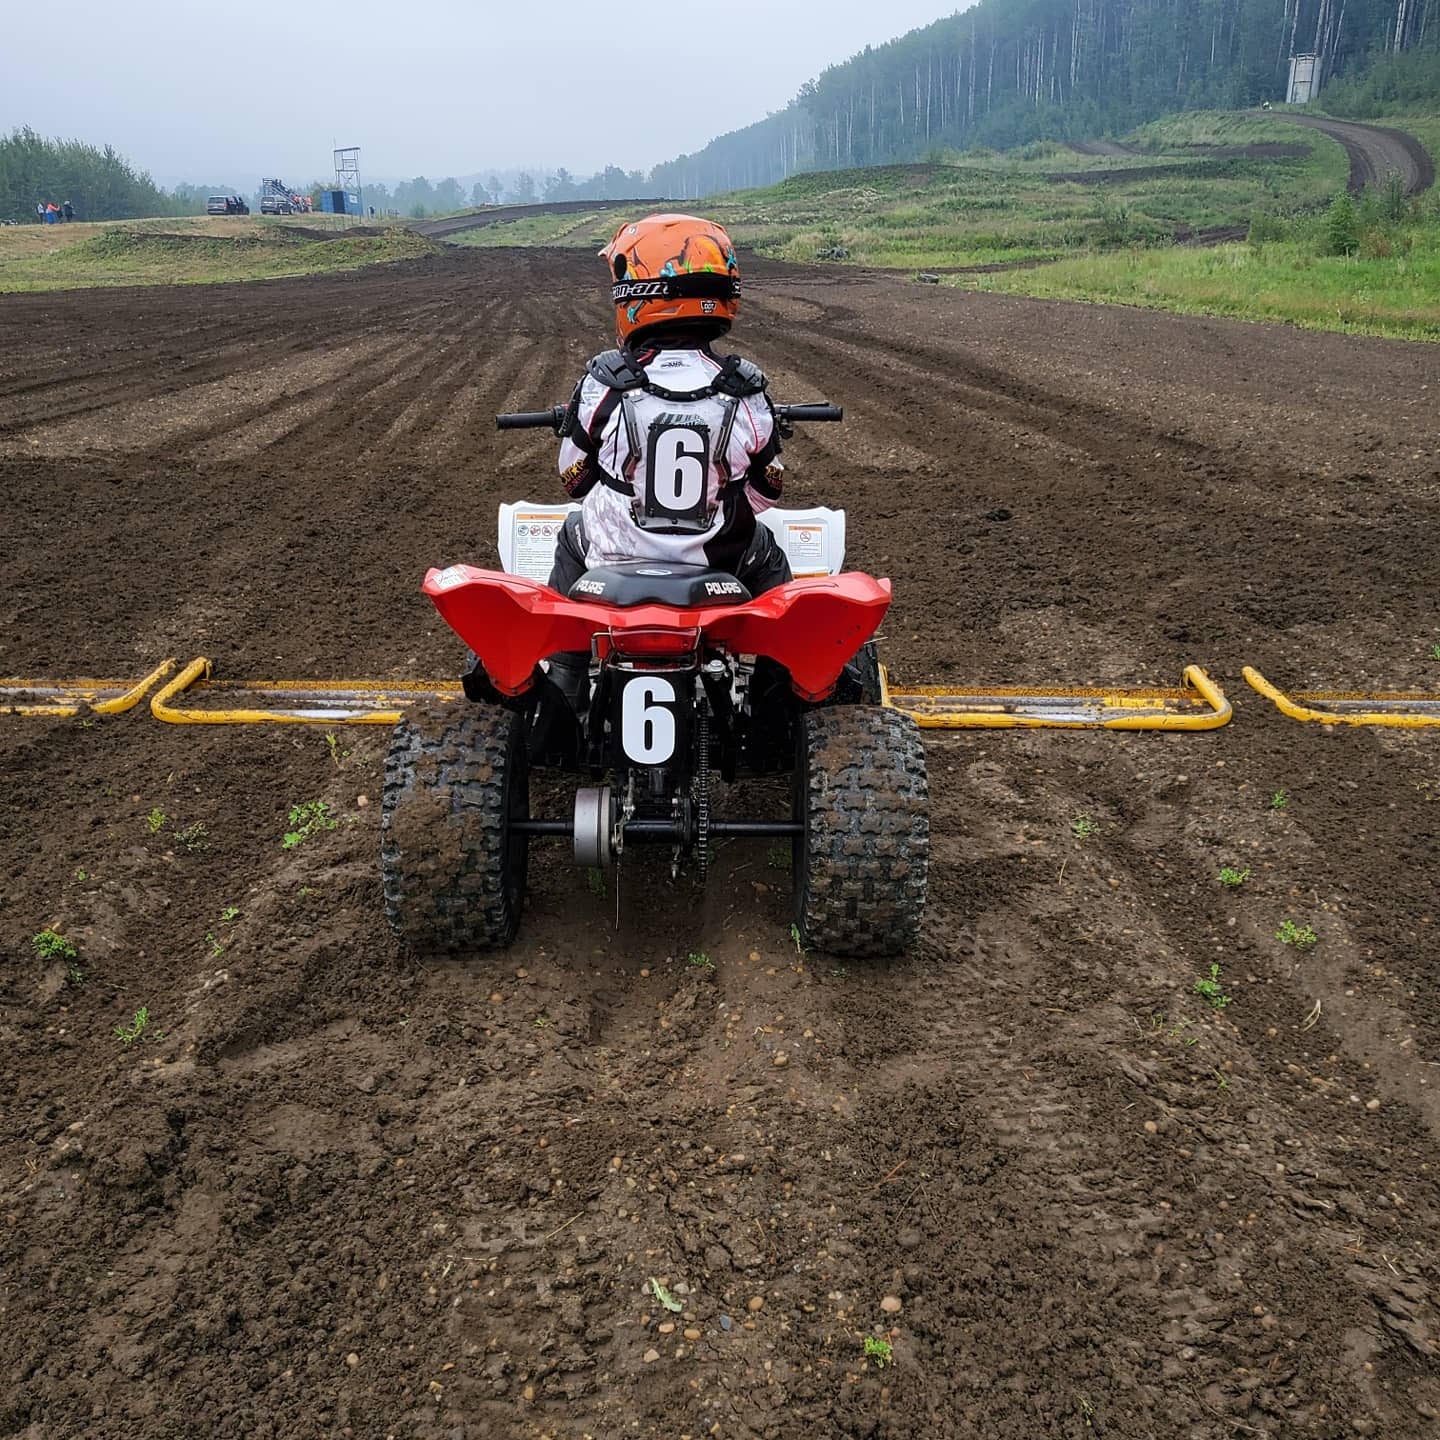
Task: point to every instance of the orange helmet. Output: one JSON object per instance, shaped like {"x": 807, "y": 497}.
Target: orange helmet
{"x": 670, "y": 268}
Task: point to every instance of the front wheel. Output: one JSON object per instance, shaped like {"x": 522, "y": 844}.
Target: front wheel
{"x": 862, "y": 859}
{"x": 454, "y": 871}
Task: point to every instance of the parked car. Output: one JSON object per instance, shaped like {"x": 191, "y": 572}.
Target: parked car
{"x": 226, "y": 205}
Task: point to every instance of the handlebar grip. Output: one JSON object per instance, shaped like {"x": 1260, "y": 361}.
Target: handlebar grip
{"x": 814, "y": 412}
{"x": 532, "y": 420}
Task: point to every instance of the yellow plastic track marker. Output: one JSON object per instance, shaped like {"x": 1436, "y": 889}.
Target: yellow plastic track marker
{"x": 1398, "y": 709}
{"x": 69, "y": 697}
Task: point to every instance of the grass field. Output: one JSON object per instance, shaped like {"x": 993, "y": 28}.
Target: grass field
{"x": 190, "y": 251}
{"x": 1389, "y": 285}
{"x": 1396, "y": 295}
{"x": 984, "y": 207}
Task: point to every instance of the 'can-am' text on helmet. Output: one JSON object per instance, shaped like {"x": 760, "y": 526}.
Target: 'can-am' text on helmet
{"x": 673, "y": 271}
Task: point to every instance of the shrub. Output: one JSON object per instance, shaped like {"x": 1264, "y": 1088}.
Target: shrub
{"x": 1394, "y": 203}
{"x": 1375, "y": 245}
{"x": 1264, "y": 228}
{"x": 1115, "y": 226}
{"x": 1342, "y": 226}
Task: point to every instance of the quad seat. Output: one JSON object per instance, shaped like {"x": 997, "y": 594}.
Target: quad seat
{"x": 653, "y": 582}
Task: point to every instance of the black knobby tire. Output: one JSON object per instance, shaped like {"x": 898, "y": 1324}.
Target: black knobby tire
{"x": 862, "y": 861}
{"x": 454, "y": 872}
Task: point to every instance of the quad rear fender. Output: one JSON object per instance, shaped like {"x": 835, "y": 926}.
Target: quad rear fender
{"x": 811, "y": 627}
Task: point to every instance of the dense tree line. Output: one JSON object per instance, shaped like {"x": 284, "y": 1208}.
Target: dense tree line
{"x": 99, "y": 184}
{"x": 420, "y": 197}
{"x": 1008, "y": 71}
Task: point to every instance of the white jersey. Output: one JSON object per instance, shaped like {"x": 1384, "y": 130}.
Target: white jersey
{"x": 671, "y": 479}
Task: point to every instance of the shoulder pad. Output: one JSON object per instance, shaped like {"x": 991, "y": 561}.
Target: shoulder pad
{"x": 740, "y": 378}
{"x": 616, "y": 371}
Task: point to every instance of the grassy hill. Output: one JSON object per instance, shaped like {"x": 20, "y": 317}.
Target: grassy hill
{"x": 1040, "y": 202}
{"x": 190, "y": 251}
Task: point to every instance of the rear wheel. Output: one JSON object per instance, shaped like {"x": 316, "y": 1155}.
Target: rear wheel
{"x": 453, "y": 870}
{"x": 862, "y": 859}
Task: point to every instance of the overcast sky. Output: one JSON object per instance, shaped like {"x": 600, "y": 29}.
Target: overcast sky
{"x": 225, "y": 92}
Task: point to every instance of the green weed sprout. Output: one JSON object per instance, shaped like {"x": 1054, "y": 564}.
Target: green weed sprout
{"x": 1233, "y": 879}
{"x": 700, "y": 960}
{"x": 52, "y": 945}
{"x": 1279, "y": 800}
{"x": 130, "y": 1033}
{"x": 1210, "y": 987}
{"x": 155, "y": 821}
{"x": 880, "y": 1351}
{"x": 1302, "y": 937}
{"x": 1082, "y": 827}
{"x": 665, "y": 1297}
{"x": 307, "y": 819}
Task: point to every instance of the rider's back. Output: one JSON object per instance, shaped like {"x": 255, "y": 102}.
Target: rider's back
{"x": 672, "y": 452}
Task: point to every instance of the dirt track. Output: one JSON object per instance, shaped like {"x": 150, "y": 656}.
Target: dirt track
{"x": 498, "y": 214}
{"x": 1107, "y": 1209}
{"x": 1375, "y": 152}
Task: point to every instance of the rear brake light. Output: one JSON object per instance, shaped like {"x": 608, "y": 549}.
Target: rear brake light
{"x": 647, "y": 644}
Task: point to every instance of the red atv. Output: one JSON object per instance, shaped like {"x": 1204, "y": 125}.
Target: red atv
{"x": 688, "y": 676}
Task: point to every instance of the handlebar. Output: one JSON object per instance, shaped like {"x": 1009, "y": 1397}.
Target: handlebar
{"x": 815, "y": 411}
{"x": 550, "y": 419}
{"x": 554, "y": 418}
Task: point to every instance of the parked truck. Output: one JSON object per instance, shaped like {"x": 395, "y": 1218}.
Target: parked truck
{"x": 276, "y": 198}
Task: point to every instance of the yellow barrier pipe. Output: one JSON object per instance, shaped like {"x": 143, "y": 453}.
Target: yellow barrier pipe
{"x": 1297, "y": 708}
{"x": 201, "y": 669}
{"x": 1220, "y": 711}
{"x": 129, "y": 696}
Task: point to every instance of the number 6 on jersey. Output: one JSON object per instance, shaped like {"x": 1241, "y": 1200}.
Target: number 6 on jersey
{"x": 647, "y": 725}
{"x": 677, "y": 466}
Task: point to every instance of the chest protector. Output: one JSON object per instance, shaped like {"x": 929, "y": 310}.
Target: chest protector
{"x": 676, "y": 438}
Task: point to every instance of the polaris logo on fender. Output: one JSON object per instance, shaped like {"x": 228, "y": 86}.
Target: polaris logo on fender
{"x": 724, "y": 587}
{"x": 589, "y": 587}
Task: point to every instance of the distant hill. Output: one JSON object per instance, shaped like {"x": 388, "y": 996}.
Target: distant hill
{"x": 1008, "y": 71}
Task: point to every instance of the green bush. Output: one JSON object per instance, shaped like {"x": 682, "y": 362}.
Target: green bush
{"x": 1394, "y": 203}
{"x": 1375, "y": 244}
{"x": 1115, "y": 226}
{"x": 1342, "y": 227}
{"x": 1265, "y": 228}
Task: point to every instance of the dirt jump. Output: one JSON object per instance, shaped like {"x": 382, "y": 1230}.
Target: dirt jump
{"x": 1104, "y": 1156}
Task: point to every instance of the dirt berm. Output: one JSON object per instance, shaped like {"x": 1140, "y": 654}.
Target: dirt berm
{"x": 337, "y": 1188}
